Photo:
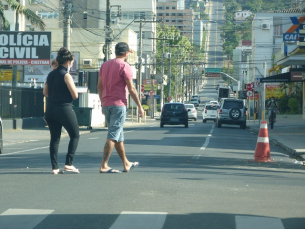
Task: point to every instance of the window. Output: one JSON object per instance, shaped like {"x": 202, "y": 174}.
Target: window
{"x": 173, "y": 7}
{"x": 48, "y": 15}
{"x": 167, "y": 8}
{"x": 173, "y": 14}
{"x": 160, "y": 14}
{"x": 167, "y": 14}
{"x": 173, "y": 20}
{"x": 167, "y": 20}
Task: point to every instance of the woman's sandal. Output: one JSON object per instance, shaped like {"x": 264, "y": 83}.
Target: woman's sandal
{"x": 57, "y": 171}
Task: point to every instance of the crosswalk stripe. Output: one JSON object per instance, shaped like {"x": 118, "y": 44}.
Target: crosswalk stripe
{"x": 22, "y": 218}
{"x": 254, "y": 222}
{"x": 140, "y": 220}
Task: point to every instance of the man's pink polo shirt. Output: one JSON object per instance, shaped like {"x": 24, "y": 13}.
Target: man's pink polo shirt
{"x": 113, "y": 74}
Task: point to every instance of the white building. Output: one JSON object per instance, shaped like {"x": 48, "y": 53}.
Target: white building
{"x": 240, "y": 16}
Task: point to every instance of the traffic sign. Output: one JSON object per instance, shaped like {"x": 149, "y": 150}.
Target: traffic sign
{"x": 250, "y": 86}
{"x": 169, "y": 98}
{"x": 151, "y": 93}
{"x": 250, "y": 93}
{"x": 212, "y": 70}
{"x": 258, "y": 85}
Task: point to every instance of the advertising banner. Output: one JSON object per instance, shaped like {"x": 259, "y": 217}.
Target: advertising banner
{"x": 40, "y": 72}
{"x": 274, "y": 90}
{"x": 25, "y": 48}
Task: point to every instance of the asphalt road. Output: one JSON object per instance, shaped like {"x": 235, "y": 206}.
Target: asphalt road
{"x": 196, "y": 177}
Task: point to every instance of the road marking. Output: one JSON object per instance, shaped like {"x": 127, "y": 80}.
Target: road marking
{"x": 93, "y": 138}
{"x": 22, "y": 151}
{"x": 140, "y": 220}
{"x": 22, "y": 218}
{"x": 254, "y": 222}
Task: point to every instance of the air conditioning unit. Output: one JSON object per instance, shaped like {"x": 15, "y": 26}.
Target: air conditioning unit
{"x": 87, "y": 62}
{"x": 265, "y": 26}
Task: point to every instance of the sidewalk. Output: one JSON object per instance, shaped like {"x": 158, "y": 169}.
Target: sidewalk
{"x": 288, "y": 133}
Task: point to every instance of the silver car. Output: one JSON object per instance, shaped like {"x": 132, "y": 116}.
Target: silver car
{"x": 231, "y": 112}
{"x": 191, "y": 111}
{"x": 1, "y": 137}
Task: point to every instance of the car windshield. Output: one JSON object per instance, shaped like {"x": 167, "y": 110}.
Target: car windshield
{"x": 233, "y": 104}
{"x": 173, "y": 107}
{"x": 211, "y": 107}
{"x": 194, "y": 99}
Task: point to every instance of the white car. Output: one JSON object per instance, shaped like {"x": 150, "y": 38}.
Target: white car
{"x": 195, "y": 102}
{"x": 191, "y": 110}
{"x": 209, "y": 112}
{"x": 214, "y": 102}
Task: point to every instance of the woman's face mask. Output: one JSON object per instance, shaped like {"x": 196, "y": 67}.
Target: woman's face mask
{"x": 70, "y": 64}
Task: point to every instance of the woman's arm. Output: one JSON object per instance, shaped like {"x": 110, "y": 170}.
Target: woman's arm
{"x": 71, "y": 86}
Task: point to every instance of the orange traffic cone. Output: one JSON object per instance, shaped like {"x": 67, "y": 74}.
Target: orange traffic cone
{"x": 262, "y": 150}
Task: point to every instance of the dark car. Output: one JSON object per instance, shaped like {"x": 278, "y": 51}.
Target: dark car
{"x": 1, "y": 137}
{"x": 174, "y": 114}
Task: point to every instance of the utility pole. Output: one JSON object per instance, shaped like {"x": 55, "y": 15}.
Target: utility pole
{"x": 67, "y": 23}
{"x": 106, "y": 48}
{"x": 170, "y": 72}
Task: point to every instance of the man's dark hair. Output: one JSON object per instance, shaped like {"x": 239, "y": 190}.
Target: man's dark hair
{"x": 121, "y": 48}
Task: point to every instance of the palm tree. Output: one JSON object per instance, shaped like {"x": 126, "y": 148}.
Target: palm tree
{"x": 20, "y": 9}
{"x": 29, "y": 14}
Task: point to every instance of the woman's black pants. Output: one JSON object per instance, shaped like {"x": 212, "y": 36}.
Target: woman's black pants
{"x": 58, "y": 116}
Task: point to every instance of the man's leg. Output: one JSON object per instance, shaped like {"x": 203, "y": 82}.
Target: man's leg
{"x": 119, "y": 146}
{"x": 107, "y": 153}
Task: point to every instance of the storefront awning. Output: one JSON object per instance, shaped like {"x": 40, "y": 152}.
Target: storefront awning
{"x": 280, "y": 78}
{"x": 295, "y": 75}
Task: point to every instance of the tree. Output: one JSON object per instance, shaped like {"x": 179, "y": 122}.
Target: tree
{"x": 20, "y": 9}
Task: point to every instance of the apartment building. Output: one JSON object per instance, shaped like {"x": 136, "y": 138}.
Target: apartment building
{"x": 173, "y": 13}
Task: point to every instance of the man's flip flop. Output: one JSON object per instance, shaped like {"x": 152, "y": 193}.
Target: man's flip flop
{"x": 133, "y": 165}
{"x": 111, "y": 171}
{"x": 72, "y": 170}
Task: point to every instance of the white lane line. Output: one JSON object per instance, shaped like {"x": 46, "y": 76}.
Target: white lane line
{"x": 93, "y": 138}
{"x": 140, "y": 220}
{"x": 254, "y": 222}
{"x": 207, "y": 141}
{"x": 128, "y": 131}
{"x": 22, "y": 218}
{"x": 22, "y": 151}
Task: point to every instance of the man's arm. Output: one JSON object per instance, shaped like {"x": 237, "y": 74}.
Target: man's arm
{"x": 134, "y": 95}
{"x": 100, "y": 88}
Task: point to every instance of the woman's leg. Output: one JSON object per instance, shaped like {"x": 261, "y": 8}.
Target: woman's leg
{"x": 70, "y": 123}
{"x": 55, "y": 131}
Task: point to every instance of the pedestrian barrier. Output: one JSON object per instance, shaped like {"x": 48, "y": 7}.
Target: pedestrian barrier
{"x": 262, "y": 150}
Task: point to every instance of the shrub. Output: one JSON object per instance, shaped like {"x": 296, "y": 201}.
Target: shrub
{"x": 293, "y": 105}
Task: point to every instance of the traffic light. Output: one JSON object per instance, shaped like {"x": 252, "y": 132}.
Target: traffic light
{"x": 203, "y": 72}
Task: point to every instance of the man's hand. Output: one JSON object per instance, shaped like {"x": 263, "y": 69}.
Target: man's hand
{"x": 141, "y": 112}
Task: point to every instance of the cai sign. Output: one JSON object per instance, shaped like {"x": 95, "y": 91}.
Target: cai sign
{"x": 290, "y": 36}
{"x": 25, "y": 48}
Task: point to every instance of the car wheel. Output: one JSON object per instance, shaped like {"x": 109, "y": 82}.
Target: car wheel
{"x": 204, "y": 121}
{"x": 161, "y": 125}
{"x": 195, "y": 119}
{"x": 235, "y": 113}
{"x": 186, "y": 125}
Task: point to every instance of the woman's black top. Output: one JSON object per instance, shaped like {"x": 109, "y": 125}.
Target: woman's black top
{"x": 58, "y": 92}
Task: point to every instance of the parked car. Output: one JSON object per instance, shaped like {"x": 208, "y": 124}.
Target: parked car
{"x": 174, "y": 114}
{"x": 209, "y": 112}
{"x": 232, "y": 112}
{"x": 195, "y": 102}
{"x": 1, "y": 137}
{"x": 192, "y": 112}
{"x": 196, "y": 97}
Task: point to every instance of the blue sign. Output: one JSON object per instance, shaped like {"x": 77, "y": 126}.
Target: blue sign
{"x": 290, "y": 36}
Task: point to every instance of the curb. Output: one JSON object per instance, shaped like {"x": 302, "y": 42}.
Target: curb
{"x": 289, "y": 150}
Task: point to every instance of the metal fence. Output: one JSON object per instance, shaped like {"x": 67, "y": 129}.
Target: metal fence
{"x": 21, "y": 102}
